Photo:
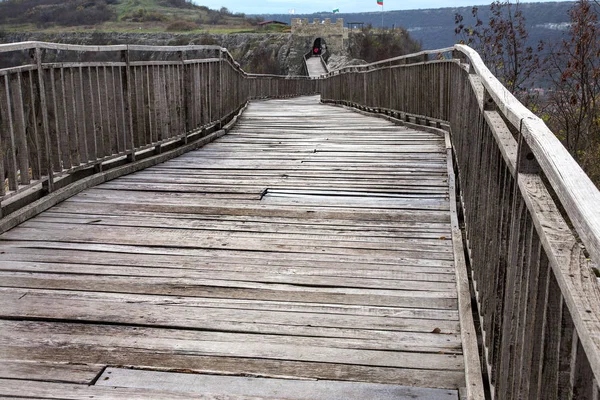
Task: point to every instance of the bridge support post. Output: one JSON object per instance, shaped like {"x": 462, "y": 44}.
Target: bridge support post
{"x": 40, "y": 93}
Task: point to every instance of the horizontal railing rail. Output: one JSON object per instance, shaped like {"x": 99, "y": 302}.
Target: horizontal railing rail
{"x": 537, "y": 294}
{"x": 68, "y": 111}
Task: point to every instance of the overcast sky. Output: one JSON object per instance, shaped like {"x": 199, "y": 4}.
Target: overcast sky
{"x": 310, "y": 6}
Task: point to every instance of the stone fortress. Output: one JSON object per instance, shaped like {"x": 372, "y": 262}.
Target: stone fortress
{"x": 333, "y": 34}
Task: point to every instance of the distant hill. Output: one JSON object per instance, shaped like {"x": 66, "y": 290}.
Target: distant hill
{"x": 118, "y": 15}
{"x": 434, "y": 28}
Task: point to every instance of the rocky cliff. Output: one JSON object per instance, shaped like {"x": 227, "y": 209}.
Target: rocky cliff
{"x": 272, "y": 53}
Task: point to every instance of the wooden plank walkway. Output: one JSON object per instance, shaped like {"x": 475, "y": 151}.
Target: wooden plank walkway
{"x": 315, "y": 67}
{"x": 310, "y": 243}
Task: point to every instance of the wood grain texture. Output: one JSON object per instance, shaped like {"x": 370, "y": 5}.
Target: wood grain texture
{"x": 261, "y": 387}
{"x": 324, "y": 253}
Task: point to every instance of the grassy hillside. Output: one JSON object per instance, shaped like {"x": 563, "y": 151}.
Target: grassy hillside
{"x": 119, "y": 15}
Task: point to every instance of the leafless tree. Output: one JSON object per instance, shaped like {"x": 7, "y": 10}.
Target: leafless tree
{"x": 502, "y": 43}
{"x": 574, "y": 69}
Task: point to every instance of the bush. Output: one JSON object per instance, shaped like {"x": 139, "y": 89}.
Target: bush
{"x": 182, "y": 25}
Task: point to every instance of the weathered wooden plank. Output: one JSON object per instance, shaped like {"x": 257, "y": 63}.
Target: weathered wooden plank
{"x": 409, "y": 231}
{"x": 143, "y": 255}
{"x": 52, "y": 390}
{"x": 263, "y": 333}
{"x": 260, "y": 305}
{"x": 401, "y": 280}
{"x": 179, "y": 349}
{"x": 233, "y": 289}
{"x": 273, "y": 257}
{"x": 48, "y": 371}
{"x": 266, "y": 388}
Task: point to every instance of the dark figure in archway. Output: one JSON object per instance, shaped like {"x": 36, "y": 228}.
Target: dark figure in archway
{"x": 318, "y": 47}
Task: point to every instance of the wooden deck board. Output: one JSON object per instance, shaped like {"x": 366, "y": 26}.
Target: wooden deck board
{"x": 309, "y": 243}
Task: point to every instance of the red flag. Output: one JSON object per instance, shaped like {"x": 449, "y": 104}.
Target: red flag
{"x": 380, "y": 2}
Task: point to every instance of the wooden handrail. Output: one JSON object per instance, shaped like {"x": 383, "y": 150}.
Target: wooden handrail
{"x": 577, "y": 193}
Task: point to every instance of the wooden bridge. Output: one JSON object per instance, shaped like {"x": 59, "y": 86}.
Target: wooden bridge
{"x": 174, "y": 227}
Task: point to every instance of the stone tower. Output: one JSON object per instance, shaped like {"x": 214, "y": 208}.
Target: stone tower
{"x": 333, "y": 34}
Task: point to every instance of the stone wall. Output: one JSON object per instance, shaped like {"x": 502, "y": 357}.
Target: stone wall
{"x": 334, "y": 34}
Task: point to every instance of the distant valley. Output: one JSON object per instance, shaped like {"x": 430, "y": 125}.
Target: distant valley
{"x": 434, "y": 28}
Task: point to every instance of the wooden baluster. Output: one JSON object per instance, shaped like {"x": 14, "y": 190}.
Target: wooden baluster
{"x": 220, "y": 113}
{"x": 75, "y": 122}
{"x": 128, "y": 106}
{"x": 21, "y": 136}
{"x": 532, "y": 388}
{"x": 80, "y": 105}
{"x": 184, "y": 76}
{"x": 101, "y": 126}
{"x": 41, "y": 93}
{"x": 65, "y": 129}
{"x": 32, "y": 126}
{"x": 9, "y": 149}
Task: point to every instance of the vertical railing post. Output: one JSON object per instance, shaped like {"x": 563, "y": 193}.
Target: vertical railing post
{"x": 365, "y": 88}
{"x": 41, "y": 92}
{"x": 220, "y": 113}
{"x": 126, "y": 78}
{"x": 390, "y": 89}
{"x": 185, "y": 92}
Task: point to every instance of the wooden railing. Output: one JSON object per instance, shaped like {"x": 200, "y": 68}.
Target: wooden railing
{"x": 538, "y": 297}
{"x": 68, "y": 111}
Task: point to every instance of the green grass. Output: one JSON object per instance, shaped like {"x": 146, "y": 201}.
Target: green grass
{"x": 153, "y": 16}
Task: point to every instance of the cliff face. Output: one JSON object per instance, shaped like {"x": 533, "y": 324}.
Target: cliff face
{"x": 257, "y": 53}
